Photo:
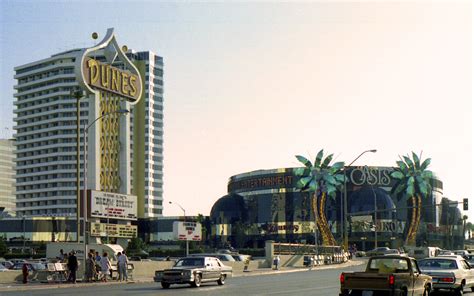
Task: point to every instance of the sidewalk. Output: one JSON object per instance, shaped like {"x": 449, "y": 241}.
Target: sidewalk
{"x": 260, "y": 271}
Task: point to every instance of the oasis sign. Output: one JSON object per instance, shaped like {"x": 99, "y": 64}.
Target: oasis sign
{"x": 111, "y": 79}
{"x": 365, "y": 175}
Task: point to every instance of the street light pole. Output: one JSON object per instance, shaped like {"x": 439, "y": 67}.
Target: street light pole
{"x": 346, "y": 232}
{"x": 84, "y": 193}
{"x": 78, "y": 95}
{"x": 184, "y": 213}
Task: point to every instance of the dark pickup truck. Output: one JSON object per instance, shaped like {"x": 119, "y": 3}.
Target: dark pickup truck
{"x": 392, "y": 275}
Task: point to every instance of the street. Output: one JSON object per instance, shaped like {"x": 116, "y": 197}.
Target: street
{"x": 305, "y": 282}
{"x": 315, "y": 282}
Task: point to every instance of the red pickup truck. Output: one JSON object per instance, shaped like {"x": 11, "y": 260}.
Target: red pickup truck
{"x": 392, "y": 275}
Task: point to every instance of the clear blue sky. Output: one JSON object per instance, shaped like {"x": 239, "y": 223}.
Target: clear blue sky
{"x": 249, "y": 85}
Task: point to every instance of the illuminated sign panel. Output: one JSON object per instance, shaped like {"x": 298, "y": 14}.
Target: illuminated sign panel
{"x": 112, "y": 79}
{"x": 190, "y": 231}
{"x": 113, "y": 205}
{"x": 114, "y": 230}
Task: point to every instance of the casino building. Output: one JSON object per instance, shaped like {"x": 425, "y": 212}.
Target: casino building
{"x": 265, "y": 205}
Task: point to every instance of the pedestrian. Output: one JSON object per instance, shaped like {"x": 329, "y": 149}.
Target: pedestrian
{"x": 25, "y": 272}
{"x": 61, "y": 255}
{"x": 119, "y": 254}
{"x": 90, "y": 267}
{"x": 105, "y": 267}
{"x": 97, "y": 257}
{"x": 276, "y": 262}
{"x": 122, "y": 262}
{"x": 72, "y": 266}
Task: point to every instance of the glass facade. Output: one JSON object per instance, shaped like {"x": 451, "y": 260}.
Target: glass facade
{"x": 265, "y": 205}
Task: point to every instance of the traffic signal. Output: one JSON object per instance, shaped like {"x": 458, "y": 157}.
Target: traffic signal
{"x": 465, "y": 204}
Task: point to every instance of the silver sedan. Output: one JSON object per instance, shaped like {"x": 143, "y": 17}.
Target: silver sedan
{"x": 449, "y": 272}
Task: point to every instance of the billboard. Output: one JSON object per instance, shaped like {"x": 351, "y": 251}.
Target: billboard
{"x": 113, "y": 205}
{"x": 114, "y": 230}
{"x": 190, "y": 231}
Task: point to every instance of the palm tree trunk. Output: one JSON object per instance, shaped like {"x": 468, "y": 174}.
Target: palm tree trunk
{"x": 414, "y": 212}
{"x": 328, "y": 238}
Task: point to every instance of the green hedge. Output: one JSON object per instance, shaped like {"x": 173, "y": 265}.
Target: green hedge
{"x": 23, "y": 256}
{"x": 253, "y": 252}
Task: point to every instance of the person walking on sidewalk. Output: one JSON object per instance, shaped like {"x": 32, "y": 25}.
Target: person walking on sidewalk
{"x": 24, "y": 270}
{"x": 276, "y": 262}
{"x": 105, "y": 267}
{"x": 122, "y": 262}
{"x": 90, "y": 267}
{"x": 72, "y": 266}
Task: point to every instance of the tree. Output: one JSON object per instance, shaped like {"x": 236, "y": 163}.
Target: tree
{"x": 3, "y": 246}
{"x": 135, "y": 245}
{"x": 322, "y": 181}
{"x": 413, "y": 181}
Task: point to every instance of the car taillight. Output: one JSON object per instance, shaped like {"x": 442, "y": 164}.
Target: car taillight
{"x": 391, "y": 280}
{"x": 341, "y": 278}
{"x": 447, "y": 280}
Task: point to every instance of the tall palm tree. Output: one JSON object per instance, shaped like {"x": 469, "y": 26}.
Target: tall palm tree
{"x": 413, "y": 181}
{"x": 322, "y": 180}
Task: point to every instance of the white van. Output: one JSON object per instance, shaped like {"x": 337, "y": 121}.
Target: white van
{"x": 423, "y": 252}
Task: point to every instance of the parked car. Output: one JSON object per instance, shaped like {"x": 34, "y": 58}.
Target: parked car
{"x": 449, "y": 272}
{"x": 386, "y": 275}
{"x": 445, "y": 252}
{"x": 32, "y": 266}
{"x": 3, "y": 268}
{"x": 241, "y": 257}
{"x": 7, "y": 264}
{"x": 222, "y": 257}
{"x": 194, "y": 271}
{"x": 382, "y": 251}
{"x": 463, "y": 253}
{"x": 470, "y": 260}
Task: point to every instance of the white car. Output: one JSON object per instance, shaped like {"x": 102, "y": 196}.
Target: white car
{"x": 449, "y": 273}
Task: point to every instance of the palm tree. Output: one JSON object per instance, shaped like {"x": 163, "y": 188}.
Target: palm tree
{"x": 413, "y": 181}
{"x": 322, "y": 180}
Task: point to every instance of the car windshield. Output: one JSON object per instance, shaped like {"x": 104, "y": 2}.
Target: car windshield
{"x": 190, "y": 262}
{"x": 437, "y": 264}
{"x": 389, "y": 265}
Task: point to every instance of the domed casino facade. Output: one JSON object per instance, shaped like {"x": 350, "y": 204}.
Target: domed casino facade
{"x": 265, "y": 205}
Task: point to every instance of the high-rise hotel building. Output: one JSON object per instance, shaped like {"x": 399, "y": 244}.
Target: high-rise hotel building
{"x": 45, "y": 124}
{"x": 7, "y": 177}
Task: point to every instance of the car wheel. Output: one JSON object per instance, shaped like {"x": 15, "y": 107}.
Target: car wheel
{"x": 197, "y": 280}
{"x": 165, "y": 285}
{"x": 221, "y": 280}
{"x": 472, "y": 289}
{"x": 460, "y": 291}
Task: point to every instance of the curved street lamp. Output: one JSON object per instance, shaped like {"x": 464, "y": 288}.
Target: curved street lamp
{"x": 346, "y": 232}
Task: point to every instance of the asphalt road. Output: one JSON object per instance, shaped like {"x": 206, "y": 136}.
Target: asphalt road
{"x": 315, "y": 282}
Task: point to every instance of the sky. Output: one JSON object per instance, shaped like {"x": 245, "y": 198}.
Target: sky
{"x": 248, "y": 85}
